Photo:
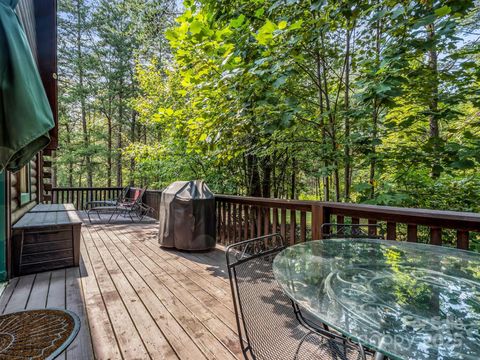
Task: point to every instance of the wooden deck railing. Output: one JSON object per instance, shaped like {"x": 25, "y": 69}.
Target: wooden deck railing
{"x": 80, "y": 196}
{"x": 241, "y": 218}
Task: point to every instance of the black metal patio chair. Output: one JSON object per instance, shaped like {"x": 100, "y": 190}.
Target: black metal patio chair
{"x": 270, "y": 325}
{"x": 353, "y": 231}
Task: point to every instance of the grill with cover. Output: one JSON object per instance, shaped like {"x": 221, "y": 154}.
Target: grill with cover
{"x": 187, "y": 216}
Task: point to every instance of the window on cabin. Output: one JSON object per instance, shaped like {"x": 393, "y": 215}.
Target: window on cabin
{"x": 25, "y": 185}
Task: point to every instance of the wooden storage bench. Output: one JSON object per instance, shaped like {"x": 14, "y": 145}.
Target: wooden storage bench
{"x": 45, "y": 241}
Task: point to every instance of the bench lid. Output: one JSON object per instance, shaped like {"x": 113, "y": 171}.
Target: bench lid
{"x": 50, "y": 218}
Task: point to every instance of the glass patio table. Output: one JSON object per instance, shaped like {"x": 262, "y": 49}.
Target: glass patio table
{"x": 405, "y": 300}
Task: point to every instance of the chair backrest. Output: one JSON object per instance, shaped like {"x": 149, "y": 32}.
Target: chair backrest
{"x": 354, "y": 231}
{"x": 123, "y": 195}
{"x": 260, "y": 304}
{"x": 137, "y": 195}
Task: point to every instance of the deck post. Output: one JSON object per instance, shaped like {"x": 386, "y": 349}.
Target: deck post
{"x": 320, "y": 216}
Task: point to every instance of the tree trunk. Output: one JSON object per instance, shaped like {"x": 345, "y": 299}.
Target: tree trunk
{"x": 254, "y": 185}
{"x": 267, "y": 177}
{"x": 132, "y": 139}
{"x": 433, "y": 104}
{"x": 375, "y": 115}
{"x": 293, "y": 189}
{"x": 318, "y": 64}
{"x": 70, "y": 163}
{"x": 83, "y": 110}
{"x": 331, "y": 123}
{"x": 119, "y": 156}
{"x": 119, "y": 136}
{"x": 109, "y": 152}
{"x": 347, "y": 170}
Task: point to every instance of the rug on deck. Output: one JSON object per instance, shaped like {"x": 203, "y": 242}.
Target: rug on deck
{"x": 36, "y": 334}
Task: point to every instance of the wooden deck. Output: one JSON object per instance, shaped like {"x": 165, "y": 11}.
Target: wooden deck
{"x": 136, "y": 300}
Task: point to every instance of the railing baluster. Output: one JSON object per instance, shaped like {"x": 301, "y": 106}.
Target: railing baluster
{"x": 355, "y": 222}
{"x": 266, "y": 221}
{"x": 246, "y": 222}
{"x": 81, "y": 204}
{"x": 435, "y": 236}
{"x": 462, "y": 239}
{"x": 275, "y": 221}
{"x": 240, "y": 222}
{"x": 283, "y": 223}
{"x": 229, "y": 223}
{"x": 217, "y": 221}
{"x": 293, "y": 226}
{"x": 252, "y": 222}
{"x": 340, "y": 219}
{"x": 224, "y": 223}
{"x": 372, "y": 230}
{"x": 412, "y": 233}
{"x": 303, "y": 226}
{"x": 259, "y": 221}
{"x": 234, "y": 215}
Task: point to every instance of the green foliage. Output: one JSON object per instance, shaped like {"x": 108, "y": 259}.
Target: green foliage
{"x": 362, "y": 101}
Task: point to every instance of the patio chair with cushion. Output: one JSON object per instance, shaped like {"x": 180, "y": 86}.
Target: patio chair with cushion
{"x": 129, "y": 206}
{"x": 270, "y": 326}
{"x": 352, "y": 231}
{"x": 109, "y": 202}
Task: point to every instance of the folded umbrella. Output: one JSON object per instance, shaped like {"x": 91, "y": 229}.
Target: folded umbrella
{"x": 25, "y": 114}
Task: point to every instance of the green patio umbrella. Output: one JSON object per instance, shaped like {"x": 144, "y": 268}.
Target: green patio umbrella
{"x": 25, "y": 114}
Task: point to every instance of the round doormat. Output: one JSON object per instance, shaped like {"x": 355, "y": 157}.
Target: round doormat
{"x": 36, "y": 334}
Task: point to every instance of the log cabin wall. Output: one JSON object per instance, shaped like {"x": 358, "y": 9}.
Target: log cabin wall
{"x": 19, "y": 208}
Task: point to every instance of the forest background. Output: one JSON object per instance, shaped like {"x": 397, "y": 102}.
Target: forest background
{"x": 371, "y": 101}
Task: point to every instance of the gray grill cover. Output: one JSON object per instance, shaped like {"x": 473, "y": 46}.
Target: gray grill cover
{"x": 187, "y": 216}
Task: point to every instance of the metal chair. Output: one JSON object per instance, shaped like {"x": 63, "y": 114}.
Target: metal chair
{"x": 109, "y": 202}
{"x": 353, "y": 231}
{"x": 269, "y": 324}
{"x": 128, "y": 207}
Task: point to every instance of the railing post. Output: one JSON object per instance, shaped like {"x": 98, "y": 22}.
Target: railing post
{"x": 372, "y": 230}
{"x": 462, "y": 239}
{"x": 320, "y": 216}
{"x": 391, "y": 231}
{"x": 412, "y": 230}
{"x": 436, "y": 236}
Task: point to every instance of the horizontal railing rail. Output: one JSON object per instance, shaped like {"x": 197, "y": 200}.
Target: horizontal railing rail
{"x": 81, "y": 196}
{"x": 240, "y": 217}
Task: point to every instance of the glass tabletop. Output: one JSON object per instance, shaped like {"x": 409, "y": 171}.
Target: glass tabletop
{"x": 406, "y": 300}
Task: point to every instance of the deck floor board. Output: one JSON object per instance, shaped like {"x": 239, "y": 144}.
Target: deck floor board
{"x": 136, "y": 300}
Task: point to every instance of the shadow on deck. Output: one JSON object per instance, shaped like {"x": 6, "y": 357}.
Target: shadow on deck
{"x": 136, "y": 300}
